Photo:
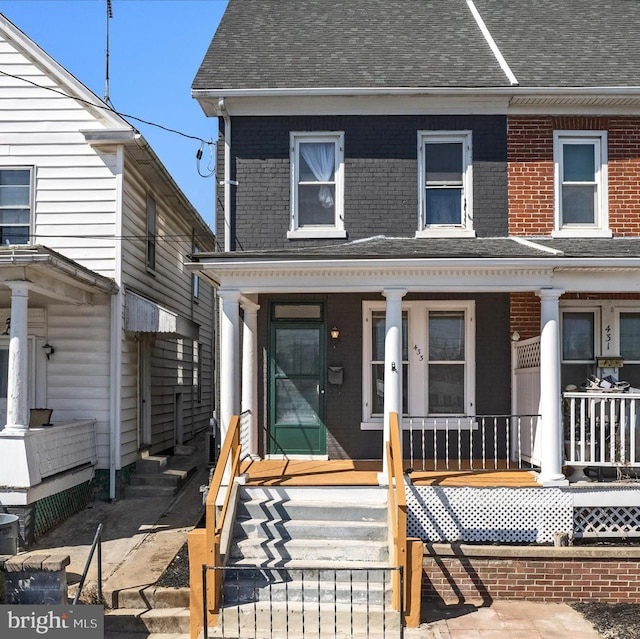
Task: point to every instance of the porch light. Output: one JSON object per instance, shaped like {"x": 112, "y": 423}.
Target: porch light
{"x": 335, "y": 334}
{"x": 48, "y": 350}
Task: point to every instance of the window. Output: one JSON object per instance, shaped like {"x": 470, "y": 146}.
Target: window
{"x": 580, "y": 183}
{"x": 578, "y": 331}
{"x": 317, "y": 185}
{"x": 445, "y": 175}
{"x": 438, "y": 347}
{"x": 15, "y": 206}
{"x": 151, "y": 233}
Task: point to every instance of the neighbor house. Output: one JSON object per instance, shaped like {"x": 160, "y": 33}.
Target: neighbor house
{"x": 102, "y": 326}
{"x": 432, "y": 208}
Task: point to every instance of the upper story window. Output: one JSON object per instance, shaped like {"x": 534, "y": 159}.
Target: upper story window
{"x": 151, "y": 233}
{"x": 445, "y": 178}
{"x": 580, "y": 160}
{"x": 317, "y": 198}
{"x": 15, "y": 206}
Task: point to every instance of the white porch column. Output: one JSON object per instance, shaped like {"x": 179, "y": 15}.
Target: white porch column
{"x": 392, "y": 362}
{"x": 229, "y": 358}
{"x": 551, "y": 457}
{"x": 17, "y": 382}
{"x": 249, "y": 404}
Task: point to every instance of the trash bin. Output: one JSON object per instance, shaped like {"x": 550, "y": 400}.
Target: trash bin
{"x": 9, "y": 530}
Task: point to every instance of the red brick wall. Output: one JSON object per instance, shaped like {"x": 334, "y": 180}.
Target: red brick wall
{"x": 530, "y": 162}
{"x": 482, "y": 579}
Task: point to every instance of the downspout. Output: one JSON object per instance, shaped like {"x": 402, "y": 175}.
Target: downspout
{"x": 116, "y": 333}
{"x": 222, "y": 109}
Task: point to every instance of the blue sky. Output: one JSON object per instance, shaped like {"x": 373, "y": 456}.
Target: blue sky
{"x": 156, "y": 47}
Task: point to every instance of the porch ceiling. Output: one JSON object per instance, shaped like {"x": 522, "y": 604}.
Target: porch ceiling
{"x": 51, "y": 277}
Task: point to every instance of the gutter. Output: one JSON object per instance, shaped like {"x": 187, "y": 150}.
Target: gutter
{"x": 222, "y": 110}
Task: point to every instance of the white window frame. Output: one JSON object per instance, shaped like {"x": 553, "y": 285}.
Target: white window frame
{"x": 417, "y": 314}
{"x": 336, "y": 230}
{"x": 600, "y": 225}
{"x": 31, "y": 224}
{"x": 465, "y": 228}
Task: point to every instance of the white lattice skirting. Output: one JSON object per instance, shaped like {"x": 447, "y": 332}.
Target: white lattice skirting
{"x": 505, "y": 515}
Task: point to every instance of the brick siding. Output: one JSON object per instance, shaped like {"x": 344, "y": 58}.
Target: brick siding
{"x": 530, "y": 169}
{"x": 380, "y": 175}
{"x": 483, "y": 579}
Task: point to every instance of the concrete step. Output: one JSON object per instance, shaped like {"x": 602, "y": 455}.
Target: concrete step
{"x": 152, "y": 464}
{"x": 309, "y": 550}
{"x": 354, "y": 495}
{"x": 153, "y": 597}
{"x": 310, "y": 510}
{"x": 140, "y": 620}
{"x": 337, "y": 621}
{"x": 169, "y": 477}
{"x": 257, "y": 530}
{"x": 137, "y": 492}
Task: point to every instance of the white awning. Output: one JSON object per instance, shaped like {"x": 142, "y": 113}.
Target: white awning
{"x": 143, "y": 315}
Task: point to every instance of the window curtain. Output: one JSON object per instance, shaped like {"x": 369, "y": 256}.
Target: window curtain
{"x": 321, "y": 160}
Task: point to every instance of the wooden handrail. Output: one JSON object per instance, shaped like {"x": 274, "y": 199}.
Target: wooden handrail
{"x": 397, "y": 507}
{"x": 226, "y": 471}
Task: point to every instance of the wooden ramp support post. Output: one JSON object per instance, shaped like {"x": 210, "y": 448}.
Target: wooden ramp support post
{"x": 197, "y": 545}
{"x": 413, "y": 582}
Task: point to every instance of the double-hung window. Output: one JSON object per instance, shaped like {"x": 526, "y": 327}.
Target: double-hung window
{"x": 15, "y": 206}
{"x": 580, "y": 161}
{"x": 445, "y": 183}
{"x": 317, "y": 198}
{"x": 438, "y": 347}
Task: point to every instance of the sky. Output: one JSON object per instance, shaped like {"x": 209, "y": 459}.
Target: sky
{"x": 155, "y": 50}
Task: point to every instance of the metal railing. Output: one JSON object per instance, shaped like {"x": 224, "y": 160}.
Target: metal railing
{"x": 601, "y": 428}
{"x": 479, "y": 442}
{"x": 97, "y": 544}
{"x": 304, "y": 602}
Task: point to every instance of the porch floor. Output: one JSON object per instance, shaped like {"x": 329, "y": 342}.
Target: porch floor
{"x": 345, "y": 472}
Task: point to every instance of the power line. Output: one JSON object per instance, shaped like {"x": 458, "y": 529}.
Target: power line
{"x": 109, "y": 108}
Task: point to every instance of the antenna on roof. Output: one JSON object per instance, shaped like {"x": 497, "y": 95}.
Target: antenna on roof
{"x": 106, "y": 79}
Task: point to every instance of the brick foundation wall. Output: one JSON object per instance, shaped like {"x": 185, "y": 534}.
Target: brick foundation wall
{"x": 530, "y": 168}
{"x": 555, "y": 575}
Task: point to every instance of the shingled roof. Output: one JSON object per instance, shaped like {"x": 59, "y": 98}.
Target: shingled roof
{"x": 289, "y": 44}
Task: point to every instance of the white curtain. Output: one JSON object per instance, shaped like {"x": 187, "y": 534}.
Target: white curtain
{"x": 320, "y": 157}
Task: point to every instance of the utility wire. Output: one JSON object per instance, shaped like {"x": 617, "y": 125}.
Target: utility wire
{"x": 108, "y": 107}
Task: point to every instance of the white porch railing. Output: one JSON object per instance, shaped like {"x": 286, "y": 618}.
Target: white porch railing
{"x": 480, "y": 442}
{"x": 602, "y": 428}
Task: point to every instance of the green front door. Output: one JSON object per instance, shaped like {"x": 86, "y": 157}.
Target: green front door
{"x": 297, "y": 380}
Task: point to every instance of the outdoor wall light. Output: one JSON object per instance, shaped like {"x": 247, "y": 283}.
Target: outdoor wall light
{"x": 48, "y": 350}
{"x": 335, "y": 334}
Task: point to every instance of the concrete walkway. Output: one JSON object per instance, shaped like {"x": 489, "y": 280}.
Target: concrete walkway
{"x": 503, "y": 620}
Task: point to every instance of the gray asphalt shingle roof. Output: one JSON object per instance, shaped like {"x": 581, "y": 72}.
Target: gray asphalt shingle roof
{"x": 508, "y": 248}
{"x": 422, "y": 43}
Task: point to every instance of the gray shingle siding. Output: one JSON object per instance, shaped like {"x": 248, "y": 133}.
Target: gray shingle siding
{"x": 381, "y": 175}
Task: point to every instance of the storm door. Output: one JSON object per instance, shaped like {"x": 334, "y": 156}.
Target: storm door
{"x": 297, "y": 380}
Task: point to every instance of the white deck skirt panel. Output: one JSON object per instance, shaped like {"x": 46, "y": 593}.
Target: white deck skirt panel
{"x": 492, "y": 44}
{"x": 490, "y": 515}
{"x": 143, "y": 315}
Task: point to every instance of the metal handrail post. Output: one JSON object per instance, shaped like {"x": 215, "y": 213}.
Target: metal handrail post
{"x": 97, "y": 541}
